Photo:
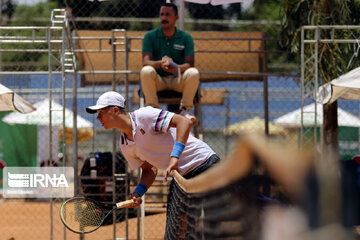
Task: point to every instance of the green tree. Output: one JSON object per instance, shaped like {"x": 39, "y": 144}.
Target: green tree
{"x": 270, "y": 12}
{"x": 23, "y": 15}
{"x": 7, "y": 9}
{"x": 119, "y": 8}
{"x": 267, "y": 10}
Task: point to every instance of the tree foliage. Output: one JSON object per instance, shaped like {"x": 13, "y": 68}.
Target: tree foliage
{"x": 7, "y": 9}
{"x": 24, "y": 16}
{"x": 267, "y": 10}
{"x": 116, "y": 8}
{"x": 333, "y": 58}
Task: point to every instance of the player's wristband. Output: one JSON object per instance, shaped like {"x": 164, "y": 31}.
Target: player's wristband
{"x": 140, "y": 189}
{"x": 177, "y": 150}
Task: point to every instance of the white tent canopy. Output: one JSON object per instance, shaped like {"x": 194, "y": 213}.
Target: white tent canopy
{"x": 41, "y": 116}
{"x": 254, "y": 125}
{"x": 347, "y": 86}
{"x": 10, "y": 101}
{"x": 293, "y": 119}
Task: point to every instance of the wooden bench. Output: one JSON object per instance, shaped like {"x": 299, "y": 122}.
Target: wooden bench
{"x": 219, "y": 56}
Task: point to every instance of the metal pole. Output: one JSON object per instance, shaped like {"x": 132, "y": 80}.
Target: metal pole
{"x": 302, "y": 86}
{"x": 182, "y": 14}
{"x": 141, "y": 211}
{"x": 199, "y": 114}
{"x": 142, "y": 207}
{"x": 265, "y": 86}
{"x": 316, "y": 72}
{"x": 266, "y": 185}
{"x": 63, "y": 93}
{"x": 227, "y": 120}
{"x": 127, "y": 48}
{"x": 113, "y": 48}
{"x": 75, "y": 133}
{"x": 127, "y": 187}
{"x": 48, "y": 36}
{"x": 63, "y": 110}
{"x": 143, "y": 218}
{"x": 126, "y": 61}
{"x": 74, "y": 130}
{"x": 113, "y": 54}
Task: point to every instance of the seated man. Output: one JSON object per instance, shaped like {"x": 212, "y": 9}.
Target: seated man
{"x": 162, "y": 46}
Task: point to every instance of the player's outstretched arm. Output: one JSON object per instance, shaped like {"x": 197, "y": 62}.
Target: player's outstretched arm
{"x": 183, "y": 127}
{"x": 147, "y": 178}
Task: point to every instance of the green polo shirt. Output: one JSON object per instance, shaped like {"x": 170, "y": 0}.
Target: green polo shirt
{"x": 177, "y": 47}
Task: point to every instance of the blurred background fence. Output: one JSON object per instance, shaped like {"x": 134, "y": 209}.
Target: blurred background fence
{"x": 74, "y": 55}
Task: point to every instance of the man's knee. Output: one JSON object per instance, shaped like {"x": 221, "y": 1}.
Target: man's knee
{"x": 192, "y": 77}
{"x": 192, "y": 73}
{"x": 147, "y": 72}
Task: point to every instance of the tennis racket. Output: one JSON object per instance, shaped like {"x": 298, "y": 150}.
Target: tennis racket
{"x": 85, "y": 215}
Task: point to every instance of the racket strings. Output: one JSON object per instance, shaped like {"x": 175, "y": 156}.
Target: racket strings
{"x": 82, "y": 215}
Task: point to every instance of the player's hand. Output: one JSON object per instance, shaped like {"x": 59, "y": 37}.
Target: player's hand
{"x": 166, "y": 59}
{"x": 173, "y": 165}
{"x": 166, "y": 65}
{"x": 137, "y": 200}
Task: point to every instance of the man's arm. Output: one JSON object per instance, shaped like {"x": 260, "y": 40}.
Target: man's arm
{"x": 147, "y": 178}
{"x": 189, "y": 53}
{"x": 183, "y": 127}
{"x": 148, "y": 50}
{"x": 189, "y": 62}
{"x": 148, "y": 62}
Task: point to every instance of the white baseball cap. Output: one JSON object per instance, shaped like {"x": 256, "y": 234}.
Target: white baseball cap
{"x": 108, "y": 99}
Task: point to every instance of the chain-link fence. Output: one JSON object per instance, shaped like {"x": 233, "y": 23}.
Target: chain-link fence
{"x": 246, "y": 81}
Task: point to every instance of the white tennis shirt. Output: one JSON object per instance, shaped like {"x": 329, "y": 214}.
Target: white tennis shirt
{"x": 154, "y": 141}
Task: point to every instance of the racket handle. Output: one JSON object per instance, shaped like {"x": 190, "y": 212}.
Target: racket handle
{"x": 124, "y": 203}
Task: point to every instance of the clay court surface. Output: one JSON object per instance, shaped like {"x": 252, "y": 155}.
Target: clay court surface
{"x": 30, "y": 220}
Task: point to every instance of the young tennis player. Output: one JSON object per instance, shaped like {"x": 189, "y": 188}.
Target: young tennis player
{"x": 153, "y": 139}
